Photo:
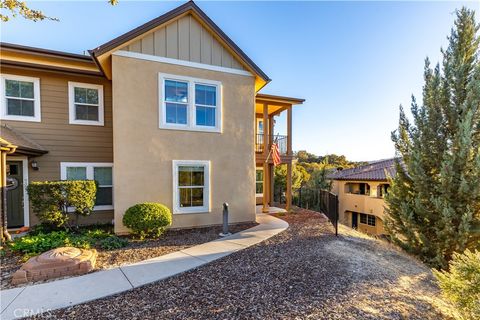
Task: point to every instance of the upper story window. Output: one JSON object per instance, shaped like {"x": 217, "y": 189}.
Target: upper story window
{"x": 85, "y": 104}
{"x": 189, "y": 104}
{"x": 176, "y": 102}
{"x": 357, "y": 188}
{"x": 205, "y": 105}
{"x": 382, "y": 190}
{"x": 20, "y": 98}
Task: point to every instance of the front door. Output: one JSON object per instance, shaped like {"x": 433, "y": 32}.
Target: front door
{"x": 15, "y": 217}
{"x": 354, "y": 220}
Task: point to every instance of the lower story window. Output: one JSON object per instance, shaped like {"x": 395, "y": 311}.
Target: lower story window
{"x": 368, "y": 219}
{"x": 259, "y": 182}
{"x": 191, "y": 186}
{"x": 100, "y": 172}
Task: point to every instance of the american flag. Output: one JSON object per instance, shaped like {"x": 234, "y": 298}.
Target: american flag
{"x": 275, "y": 154}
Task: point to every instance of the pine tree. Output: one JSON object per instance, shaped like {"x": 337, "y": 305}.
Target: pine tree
{"x": 434, "y": 202}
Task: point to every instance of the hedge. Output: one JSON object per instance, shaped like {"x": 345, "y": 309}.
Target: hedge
{"x": 53, "y": 201}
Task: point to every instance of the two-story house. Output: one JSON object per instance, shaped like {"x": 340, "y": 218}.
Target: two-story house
{"x": 361, "y": 192}
{"x": 168, "y": 112}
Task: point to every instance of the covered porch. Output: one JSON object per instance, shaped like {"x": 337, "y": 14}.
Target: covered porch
{"x": 267, "y": 108}
{"x": 17, "y": 157}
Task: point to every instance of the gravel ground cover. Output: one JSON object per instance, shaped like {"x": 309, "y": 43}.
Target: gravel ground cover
{"x": 304, "y": 272}
{"x": 135, "y": 251}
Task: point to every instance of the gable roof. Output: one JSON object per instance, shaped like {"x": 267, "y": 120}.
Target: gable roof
{"x": 374, "y": 171}
{"x": 189, "y": 7}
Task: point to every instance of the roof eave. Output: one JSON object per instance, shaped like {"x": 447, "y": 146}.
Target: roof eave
{"x": 189, "y": 7}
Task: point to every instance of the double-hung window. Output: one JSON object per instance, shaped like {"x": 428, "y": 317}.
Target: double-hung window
{"x": 176, "y": 102}
{"x": 20, "y": 98}
{"x": 100, "y": 172}
{"x": 205, "y": 105}
{"x": 191, "y": 183}
{"x": 189, "y": 103}
{"x": 85, "y": 104}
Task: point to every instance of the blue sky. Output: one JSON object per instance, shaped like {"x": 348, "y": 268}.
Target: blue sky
{"x": 354, "y": 62}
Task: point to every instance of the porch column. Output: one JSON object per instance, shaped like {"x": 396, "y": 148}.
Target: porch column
{"x": 289, "y": 164}
{"x": 3, "y": 176}
{"x": 271, "y": 130}
{"x": 5, "y": 148}
{"x": 289, "y": 131}
{"x": 272, "y": 183}
{"x": 266, "y": 172}
{"x": 266, "y": 129}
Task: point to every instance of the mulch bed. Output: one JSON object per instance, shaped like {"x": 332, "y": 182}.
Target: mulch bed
{"x": 135, "y": 251}
{"x": 303, "y": 272}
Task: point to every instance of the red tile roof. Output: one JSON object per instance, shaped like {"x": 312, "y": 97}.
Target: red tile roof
{"x": 374, "y": 171}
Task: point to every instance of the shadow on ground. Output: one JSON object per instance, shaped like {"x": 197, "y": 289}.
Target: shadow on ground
{"x": 304, "y": 272}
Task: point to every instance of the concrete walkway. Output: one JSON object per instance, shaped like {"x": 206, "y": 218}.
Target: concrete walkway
{"x": 34, "y": 299}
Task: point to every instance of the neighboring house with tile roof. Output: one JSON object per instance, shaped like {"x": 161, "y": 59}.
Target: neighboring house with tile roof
{"x": 361, "y": 192}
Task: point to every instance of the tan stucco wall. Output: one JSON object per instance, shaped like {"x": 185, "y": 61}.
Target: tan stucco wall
{"x": 360, "y": 203}
{"x": 143, "y": 153}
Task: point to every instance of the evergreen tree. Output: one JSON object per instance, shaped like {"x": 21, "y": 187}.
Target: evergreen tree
{"x": 434, "y": 202}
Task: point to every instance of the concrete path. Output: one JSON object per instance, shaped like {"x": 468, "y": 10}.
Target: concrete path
{"x": 34, "y": 299}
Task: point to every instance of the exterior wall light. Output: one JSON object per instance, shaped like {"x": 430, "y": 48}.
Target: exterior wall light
{"x": 34, "y": 165}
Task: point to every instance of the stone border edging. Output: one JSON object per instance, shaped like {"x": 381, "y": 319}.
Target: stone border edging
{"x": 44, "y": 297}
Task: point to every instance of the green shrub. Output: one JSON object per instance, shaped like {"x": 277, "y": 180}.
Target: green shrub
{"x": 113, "y": 242}
{"x": 51, "y": 200}
{"x": 461, "y": 283}
{"x": 96, "y": 234}
{"x": 147, "y": 219}
{"x": 38, "y": 243}
{"x": 33, "y": 244}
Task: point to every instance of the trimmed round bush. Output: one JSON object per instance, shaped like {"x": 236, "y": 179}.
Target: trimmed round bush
{"x": 147, "y": 219}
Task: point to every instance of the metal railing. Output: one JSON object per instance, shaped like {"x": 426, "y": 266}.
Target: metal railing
{"x": 281, "y": 142}
{"x": 319, "y": 200}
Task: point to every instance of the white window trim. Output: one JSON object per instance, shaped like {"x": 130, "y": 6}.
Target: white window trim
{"x": 36, "y": 99}
{"x": 191, "y": 114}
{"x": 263, "y": 188}
{"x": 71, "y": 103}
{"x": 206, "y": 190}
{"x": 90, "y": 176}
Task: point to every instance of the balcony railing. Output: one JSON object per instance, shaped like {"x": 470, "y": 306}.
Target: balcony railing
{"x": 281, "y": 142}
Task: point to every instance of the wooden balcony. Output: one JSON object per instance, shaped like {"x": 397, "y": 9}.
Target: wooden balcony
{"x": 280, "y": 140}
{"x": 267, "y": 107}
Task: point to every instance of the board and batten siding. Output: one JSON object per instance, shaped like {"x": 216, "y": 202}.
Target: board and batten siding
{"x": 185, "y": 39}
{"x": 65, "y": 142}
